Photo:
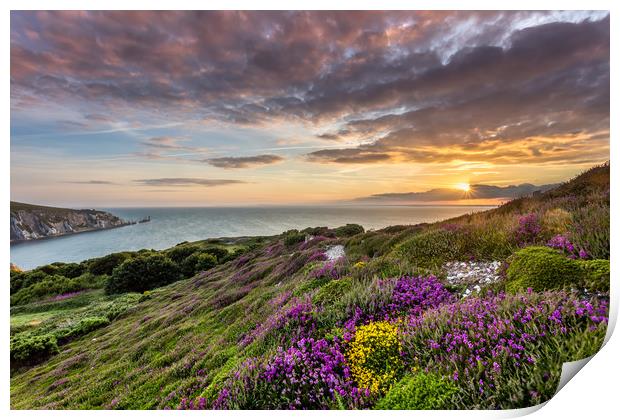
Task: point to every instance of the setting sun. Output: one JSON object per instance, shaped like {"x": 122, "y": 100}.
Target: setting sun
{"x": 463, "y": 186}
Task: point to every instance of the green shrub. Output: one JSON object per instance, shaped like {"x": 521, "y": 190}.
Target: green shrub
{"x": 420, "y": 391}
{"x": 293, "y": 237}
{"x": 217, "y": 252}
{"x": 349, "y": 229}
{"x": 29, "y": 349}
{"x": 142, "y": 273}
{"x": 71, "y": 270}
{"x": 541, "y": 268}
{"x": 48, "y": 286}
{"x": 105, "y": 265}
{"x": 179, "y": 253}
{"x": 332, "y": 291}
{"x": 596, "y": 274}
{"x": 24, "y": 279}
{"x": 198, "y": 261}
{"x": 83, "y": 327}
{"x": 432, "y": 248}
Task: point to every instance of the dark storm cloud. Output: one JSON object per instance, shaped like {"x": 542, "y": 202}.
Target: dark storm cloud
{"x": 410, "y": 86}
{"x": 187, "y": 182}
{"x": 244, "y": 161}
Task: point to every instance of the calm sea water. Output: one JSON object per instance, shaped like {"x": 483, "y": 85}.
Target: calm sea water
{"x": 169, "y": 226}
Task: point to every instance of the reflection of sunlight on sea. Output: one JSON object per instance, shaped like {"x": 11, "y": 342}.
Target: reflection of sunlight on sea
{"x": 170, "y": 226}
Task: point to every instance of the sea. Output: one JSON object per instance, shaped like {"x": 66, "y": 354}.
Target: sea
{"x": 170, "y": 226}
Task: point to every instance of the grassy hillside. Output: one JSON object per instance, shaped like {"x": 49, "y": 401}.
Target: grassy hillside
{"x": 403, "y": 317}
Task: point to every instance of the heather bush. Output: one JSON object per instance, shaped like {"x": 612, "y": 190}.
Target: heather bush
{"x": 499, "y": 349}
{"x": 597, "y": 275}
{"x": 541, "y": 268}
{"x": 142, "y": 273}
{"x": 528, "y": 229}
{"x": 27, "y": 349}
{"x": 311, "y": 374}
{"x": 590, "y": 230}
{"x": 374, "y": 356}
{"x": 562, "y": 243}
{"x": 294, "y": 320}
{"x": 330, "y": 270}
{"x": 420, "y": 391}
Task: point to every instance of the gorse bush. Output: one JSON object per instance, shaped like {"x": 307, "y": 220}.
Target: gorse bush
{"x": 541, "y": 268}
{"x": 374, "y": 356}
{"x": 142, "y": 273}
{"x": 420, "y": 391}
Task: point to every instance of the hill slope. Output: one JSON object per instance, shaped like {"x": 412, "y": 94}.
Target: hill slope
{"x": 250, "y": 332}
{"x": 30, "y": 221}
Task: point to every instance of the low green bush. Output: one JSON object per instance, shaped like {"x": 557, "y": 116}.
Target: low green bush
{"x": 332, "y": 291}
{"x": 83, "y": 327}
{"x": 431, "y": 248}
{"x": 349, "y": 229}
{"x": 419, "y": 391}
{"x": 28, "y": 349}
{"x": 217, "y": 252}
{"x": 142, "y": 273}
{"x": 105, "y": 265}
{"x": 50, "y": 286}
{"x": 542, "y": 268}
{"x": 596, "y": 274}
{"x": 293, "y": 237}
{"x": 179, "y": 253}
{"x": 197, "y": 262}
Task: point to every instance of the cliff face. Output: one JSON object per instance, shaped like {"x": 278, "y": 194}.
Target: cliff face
{"x": 30, "y": 221}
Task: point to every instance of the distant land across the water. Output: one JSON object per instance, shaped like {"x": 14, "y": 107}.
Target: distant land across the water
{"x": 170, "y": 226}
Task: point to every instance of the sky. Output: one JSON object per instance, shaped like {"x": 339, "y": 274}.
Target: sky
{"x": 147, "y": 108}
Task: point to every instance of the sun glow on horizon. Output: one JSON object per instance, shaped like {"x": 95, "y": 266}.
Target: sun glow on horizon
{"x": 464, "y": 186}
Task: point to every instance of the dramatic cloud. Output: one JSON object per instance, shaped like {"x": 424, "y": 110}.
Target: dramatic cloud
{"x": 244, "y": 162}
{"x": 187, "y": 182}
{"x": 452, "y": 194}
{"x": 424, "y": 87}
